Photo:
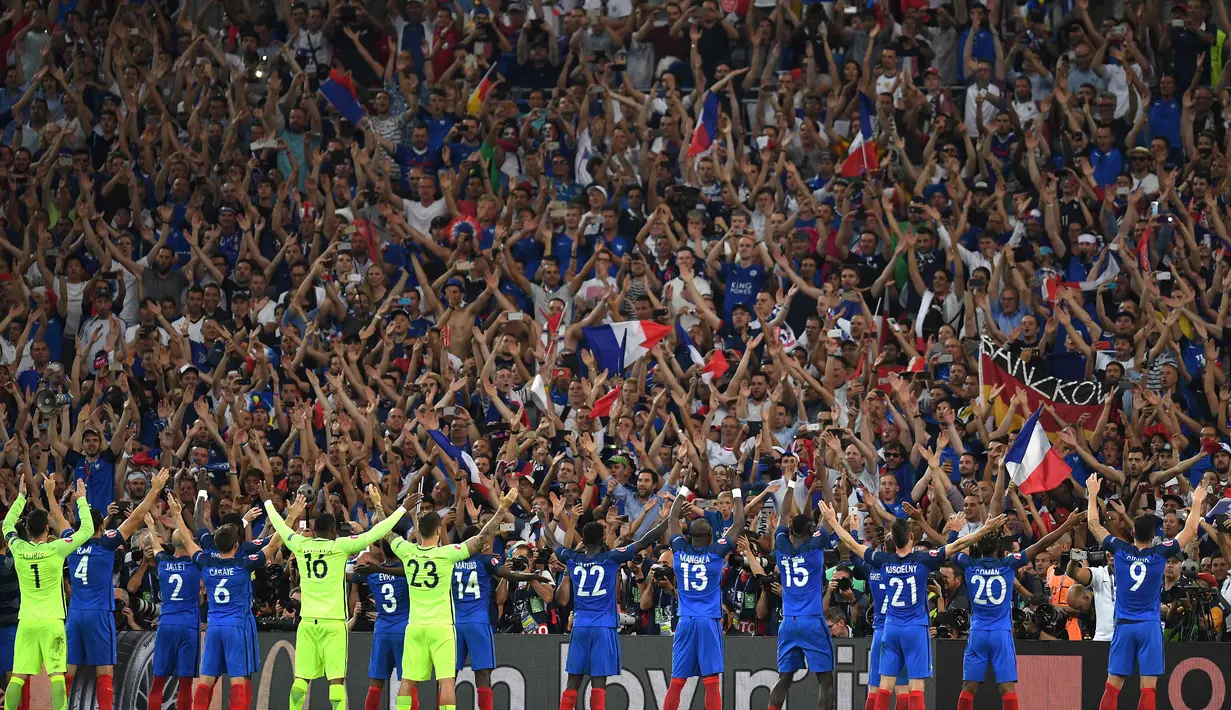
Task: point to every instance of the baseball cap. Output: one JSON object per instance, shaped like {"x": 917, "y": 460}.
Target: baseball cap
{"x": 595, "y": 186}
{"x": 455, "y": 281}
{"x": 981, "y": 185}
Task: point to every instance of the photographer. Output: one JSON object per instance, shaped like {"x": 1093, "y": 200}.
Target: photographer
{"x": 659, "y": 598}
{"x": 842, "y": 595}
{"x": 953, "y": 592}
{"x": 1093, "y": 593}
{"x": 529, "y": 606}
{"x": 741, "y": 589}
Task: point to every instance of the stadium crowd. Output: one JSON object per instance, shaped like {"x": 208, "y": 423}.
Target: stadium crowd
{"x": 210, "y": 263}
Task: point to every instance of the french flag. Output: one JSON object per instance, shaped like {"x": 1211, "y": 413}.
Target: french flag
{"x": 861, "y": 156}
{"x": 707, "y": 126}
{"x": 461, "y": 457}
{"x": 617, "y": 346}
{"x": 1031, "y": 462}
{"x": 715, "y": 368}
{"x": 693, "y": 353}
{"x": 602, "y": 405}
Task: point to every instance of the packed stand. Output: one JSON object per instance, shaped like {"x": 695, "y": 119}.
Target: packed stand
{"x": 282, "y": 249}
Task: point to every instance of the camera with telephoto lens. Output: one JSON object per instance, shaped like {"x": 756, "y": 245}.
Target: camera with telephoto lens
{"x": 1093, "y": 557}
{"x": 662, "y": 573}
{"x": 951, "y": 623}
{"x": 1042, "y": 617}
{"x": 519, "y": 564}
{"x": 844, "y": 584}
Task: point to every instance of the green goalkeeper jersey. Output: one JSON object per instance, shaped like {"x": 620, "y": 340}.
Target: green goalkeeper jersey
{"x": 322, "y": 564}
{"x": 40, "y": 565}
{"x": 429, "y": 576}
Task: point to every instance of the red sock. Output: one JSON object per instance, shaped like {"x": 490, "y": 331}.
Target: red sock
{"x": 966, "y": 701}
{"x": 236, "y": 696}
{"x": 903, "y": 702}
{"x": 68, "y": 683}
{"x": 105, "y": 687}
{"x": 414, "y": 698}
{"x": 882, "y": 698}
{"x": 156, "y": 686}
{"x": 1008, "y": 701}
{"x": 672, "y": 702}
{"x": 1111, "y": 698}
{"x": 713, "y": 692}
{"x": 568, "y": 701}
{"x": 25, "y": 697}
{"x": 372, "y": 701}
{"x": 201, "y": 697}
{"x": 598, "y": 699}
{"x": 483, "y": 696}
{"x": 870, "y": 703}
{"x": 916, "y": 700}
{"x": 1146, "y": 701}
{"x": 774, "y": 707}
{"x": 183, "y": 698}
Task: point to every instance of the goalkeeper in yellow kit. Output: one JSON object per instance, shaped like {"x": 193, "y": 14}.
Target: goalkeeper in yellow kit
{"x": 320, "y": 641}
{"x": 430, "y": 636}
{"x": 41, "y": 641}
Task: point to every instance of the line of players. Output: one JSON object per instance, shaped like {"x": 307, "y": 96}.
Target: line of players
{"x": 901, "y": 648}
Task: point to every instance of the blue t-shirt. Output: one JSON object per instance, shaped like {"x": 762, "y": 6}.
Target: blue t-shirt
{"x": 228, "y": 586}
{"x": 180, "y": 582}
{"x": 99, "y": 476}
{"x": 392, "y": 598}
{"x": 743, "y": 283}
{"x": 89, "y": 572}
{"x": 906, "y": 581}
{"x": 990, "y": 582}
{"x": 473, "y": 581}
{"x": 1139, "y": 577}
{"x": 594, "y": 584}
{"x": 698, "y": 574}
{"x": 802, "y": 569}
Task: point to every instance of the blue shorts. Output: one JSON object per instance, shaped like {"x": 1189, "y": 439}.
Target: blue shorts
{"x": 906, "y": 647}
{"x": 176, "y": 649}
{"x": 386, "y": 654}
{"x": 1140, "y": 641}
{"x": 697, "y": 647}
{"x": 91, "y": 637}
{"x": 228, "y": 651}
{"x": 804, "y": 642}
{"x": 874, "y": 662}
{"x": 990, "y": 647}
{"x": 479, "y": 643}
{"x": 8, "y": 637}
{"x": 594, "y": 651}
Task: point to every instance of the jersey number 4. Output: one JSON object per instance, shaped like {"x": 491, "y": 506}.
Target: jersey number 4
{"x": 430, "y": 578}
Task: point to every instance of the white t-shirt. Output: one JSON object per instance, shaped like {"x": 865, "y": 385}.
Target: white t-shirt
{"x": 1104, "y": 590}
{"x": 75, "y": 292}
{"x": 420, "y": 217}
{"x": 195, "y": 333}
{"x": 720, "y": 455}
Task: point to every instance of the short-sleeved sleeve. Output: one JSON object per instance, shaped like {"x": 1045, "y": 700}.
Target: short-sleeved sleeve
{"x": 623, "y": 554}
{"x": 932, "y": 558}
{"x": 111, "y": 540}
{"x": 491, "y": 563}
{"x": 564, "y": 554}
{"x": 1113, "y": 544}
{"x": 876, "y": 558}
{"x": 678, "y": 543}
{"x": 962, "y": 560}
{"x": 456, "y": 553}
{"x": 1017, "y": 560}
{"x": 253, "y": 561}
{"x": 861, "y": 565}
{"x": 200, "y": 558}
{"x": 1168, "y": 548}
{"x": 820, "y": 540}
{"x": 722, "y": 546}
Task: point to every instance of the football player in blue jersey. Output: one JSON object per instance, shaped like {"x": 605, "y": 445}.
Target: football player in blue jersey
{"x": 594, "y": 643}
{"x": 1138, "y": 638}
{"x": 698, "y": 562}
{"x": 990, "y": 578}
{"x": 803, "y": 636}
{"x": 386, "y": 579}
{"x": 906, "y": 640}
{"x": 177, "y": 643}
{"x": 90, "y": 626}
{"x": 230, "y": 644}
{"x": 474, "y": 610}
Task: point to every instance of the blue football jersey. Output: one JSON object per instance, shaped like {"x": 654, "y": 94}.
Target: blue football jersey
{"x": 228, "y": 586}
{"x": 180, "y": 582}
{"x": 205, "y": 539}
{"x": 802, "y": 570}
{"x": 392, "y": 598}
{"x": 594, "y": 584}
{"x": 698, "y": 576}
{"x": 990, "y": 583}
{"x": 876, "y": 585}
{"x": 90, "y": 570}
{"x": 906, "y": 584}
{"x": 1139, "y": 577}
{"x": 473, "y": 582}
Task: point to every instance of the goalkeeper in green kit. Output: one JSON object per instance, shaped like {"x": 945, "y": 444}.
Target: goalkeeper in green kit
{"x": 41, "y": 641}
{"x": 320, "y": 640}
